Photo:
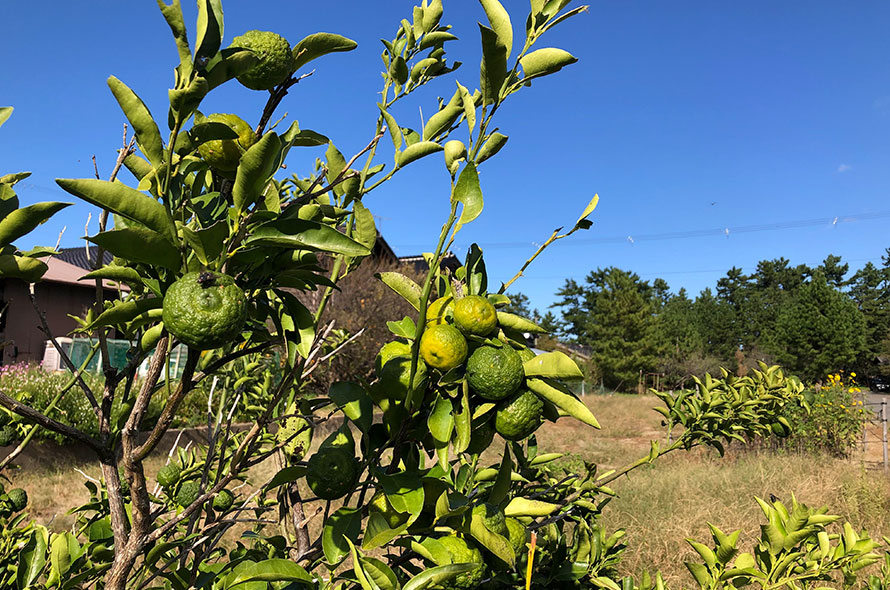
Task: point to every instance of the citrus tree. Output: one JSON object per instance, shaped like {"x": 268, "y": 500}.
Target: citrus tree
{"x": 427, "y": 476}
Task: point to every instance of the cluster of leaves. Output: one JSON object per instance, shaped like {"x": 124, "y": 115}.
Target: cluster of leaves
{"x": 835, "y": 418}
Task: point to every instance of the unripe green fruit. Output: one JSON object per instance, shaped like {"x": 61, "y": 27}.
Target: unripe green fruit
{"x": 169, "y": 474}
{"x": 223, "y": 501}
{"x": 205, "y": 309}
{"x": 18, "y": 499}
{"x": 492, "y": 517}
{"x": 332, "y": 472}
{"x": 188, "y": 493}
{"x": 225, "y": 154}
{"x": 455, "y": 151}
{"x": 276, "y": 62}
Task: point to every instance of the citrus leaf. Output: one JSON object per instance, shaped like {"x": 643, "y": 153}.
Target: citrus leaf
{"x": 122, "y": 200}
{"x": 518, "y": 323}
{"x": 5, "y": 113}
{"x": 354, "y": 402}
{"x": 126, "y": 311}
{"x": 378, "y": 533}
{"x": 365, "y": 228}
{"x": 139, "y": 245}
{"x": 21, "y": 221}
{"x": 545, "y": 61}
{"x": 563, "y": 400}
{"x": 394, "y": 131}
{"x": 524, "y": 507}
{"x": 493, "y": 71}
{"x": 173, "y": 15}
{"x": 341, "y": 530}
{"x": 444, "y": 118}
{"x": 148, "y": 136}
{"x": 468, "y": 192}
{"x": 304, "y": 234}
{"x": 499, "y": 19}
{"x": 404, "y": 286}
{"x": 436, "y": 38}
{"x": 269, "y": 570}
{"x": 210, "y": 29}
{"x": 440, "y": 421}
{"x": 469, "y": 106}
{"x": 553, "y": 364}
{"x": 319, "y": 44}
{"x": 379, "y": 573}
{"x": 258, "y": 164}
{"x": 32, "y": 558}
{"x": 491, "y": 146}
{"x": 207, "y": 243}
{"x": 589, "y": 209}
{"x": 438, "y": 574}
{"x": 463, "y": 424}
{"x": 501, "y": 486}
{"x": 21, "y": 267}
{"x": 494, "y": 542}
{"x": 309, "y": 138}
{"x": 227, "y": 64}
{"x": 299, "y": 326}
{"x": 286, "y": 475}
{"x": 417, "y": 151}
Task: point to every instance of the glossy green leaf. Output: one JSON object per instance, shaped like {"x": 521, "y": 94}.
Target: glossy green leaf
{"x": 303, "y": 234}
{"x": 432, "y": 14}
{"x": 436, "y": 39}
{"x": 258, "y": 164}
{"x": 441, "y": 120}
{"x": 210, "y": 29}
{"x": 228, "y": 64}
{"x": 440, "y": 420}
{"x": 501, "y": 488}
{"x": 378, "y": 533}
{"x": 122, "y": 200}
{"x": 148, "y": 136}
{"x": 138, "y": 167}
{"x": 399, "y": 70}
{"x": 395, "y": 132}
{"x": 21, "y": 267}
{"x": 113, "y": 272}
{"x": 139, "y": 245}
{"x": 300, "y": 322}
{"x": 309, "y": 138}
{"x": 288, "y": 474}
{"x": 492, "y": 541}
{"x": 5, "y": 113}
{"x": 468, "y": 192}
{"x": 499, "y": 19}
{"x": 491, "y": 146}
{"x": 524, "y": 507}
{"x": 545, "y": 61}
{"x": 126, "y": 311}
{"x": 365, "y": 229}
{"x": 21, "y": 221}
{"x": 208, "y": 243}
{"x": 469, "y": 106}
{"x": 32, "y": 559}
{"x": 319, "y": 44}
{"x": 64, "y": 549}
{"x": 355, "y": 403}
{"x": 518, "y": 323}
{"x": 173, "y": 15}
{"x": 563, "y": 400}
{"x": 475, "y": 274}
{"x": 210, "y": 131}
{"x": 437, "y": 575}
{"x": 404, "y": 328}
{"x": 380, "y": 574}
{"x": 554, "y": 364}
{"x": 341, "y": 529}
{"x": 493, "y": 71}
{"x": 269, "y": 570}
{"x": 463, "y": 422}
{"x": 404, "y": 286}
{"x": 14, "y": 178}
{"x": 416, "y": 151}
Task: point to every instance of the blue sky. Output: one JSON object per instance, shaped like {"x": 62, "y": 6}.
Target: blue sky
{"x": 688, "y": 118}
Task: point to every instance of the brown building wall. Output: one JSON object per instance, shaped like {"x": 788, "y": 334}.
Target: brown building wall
{"x": 23, "y": 340}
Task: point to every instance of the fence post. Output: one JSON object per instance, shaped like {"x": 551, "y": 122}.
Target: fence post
{"x": 884, "y": 430}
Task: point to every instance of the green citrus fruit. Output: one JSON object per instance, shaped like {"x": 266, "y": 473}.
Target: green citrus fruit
{"x": 526, "y": 354}
{"x": 520, "y": 416}
{"x": 439, "y": 310}
{"x": 495, "y": 373}
{"x": 332, "y": 472}
{"x": 295, "y": 434}
{"x": 481, "y": 438}
{"x": 516, "y": 533}
{"x": 492, "y": 517}
{"x": 389, "y": 351}
{"x": 276, "y": 62}
{"x": 225, "y": 154}
{"x": 395, "y": 377}
{"x": 188, "y": 492}
{"x": 223, "y": 500}
{"x": 8, "y": 436}
{"x": 18, "y": 499}
{"x": 463, "y": 552}
{"x": 443, "y": 346}
{"x": 475, "y": 314}
{"x": 205, "y": 309}
{"x": 168, "y": 475}
{"x": 381, "y": 505}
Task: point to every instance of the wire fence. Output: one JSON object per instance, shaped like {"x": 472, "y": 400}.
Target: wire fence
{"x": 874, "y": 430}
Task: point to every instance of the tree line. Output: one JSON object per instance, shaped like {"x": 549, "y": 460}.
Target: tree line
{"x": 811, "y": 320}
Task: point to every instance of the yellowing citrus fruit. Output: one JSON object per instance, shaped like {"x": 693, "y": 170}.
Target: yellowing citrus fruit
{"x": 492, "y": 517}
{"x": 332, "y": 472}
{"x": 225, "y": 154}
{"x": 463, "y": 552}
{"x": 495, "y": 373}
{"x": 205, "y": 309}
{"x": 276, "y": 62}
{"x": 438, "y": 310}
{"x": 520, "y": 416}
{"x": 475, "y": 314}
{"x": 516, "y": 533}
{"x": 443, "y": 346}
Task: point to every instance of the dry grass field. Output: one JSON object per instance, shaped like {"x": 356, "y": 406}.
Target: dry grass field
{"x": 659, "y": 506}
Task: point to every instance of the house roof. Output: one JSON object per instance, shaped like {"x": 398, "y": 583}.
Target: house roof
{"x": 69, "y": 274}
{"x": 449, "y": 261}
{"x": 78, "y": 256}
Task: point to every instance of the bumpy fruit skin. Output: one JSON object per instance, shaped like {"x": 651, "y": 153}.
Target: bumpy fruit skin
{"x": 205, "y": 309}
{"x": 276, "y": 62}
{"x": 188, "y": 493}
{"x": 223, "y": 501}
{"x": 168, "y": 475}
{"x": 18, "y": 499}
{"x": 332, "y": 472}
{"x": 225, "y": 154}
{"x": 492, "y": 517}
{"x": 475, "y": 314}
{"x": 495, "y": 373}
{"x": 516, "y": 533}
{"x": 463, "y": 552}
{"x": 8, "y": 436}
{"x": 443, "y": 347}
{"x": 520, "y": 416}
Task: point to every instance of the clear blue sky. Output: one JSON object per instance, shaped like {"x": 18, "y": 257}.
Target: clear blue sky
{"x": 688, "y": 118}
